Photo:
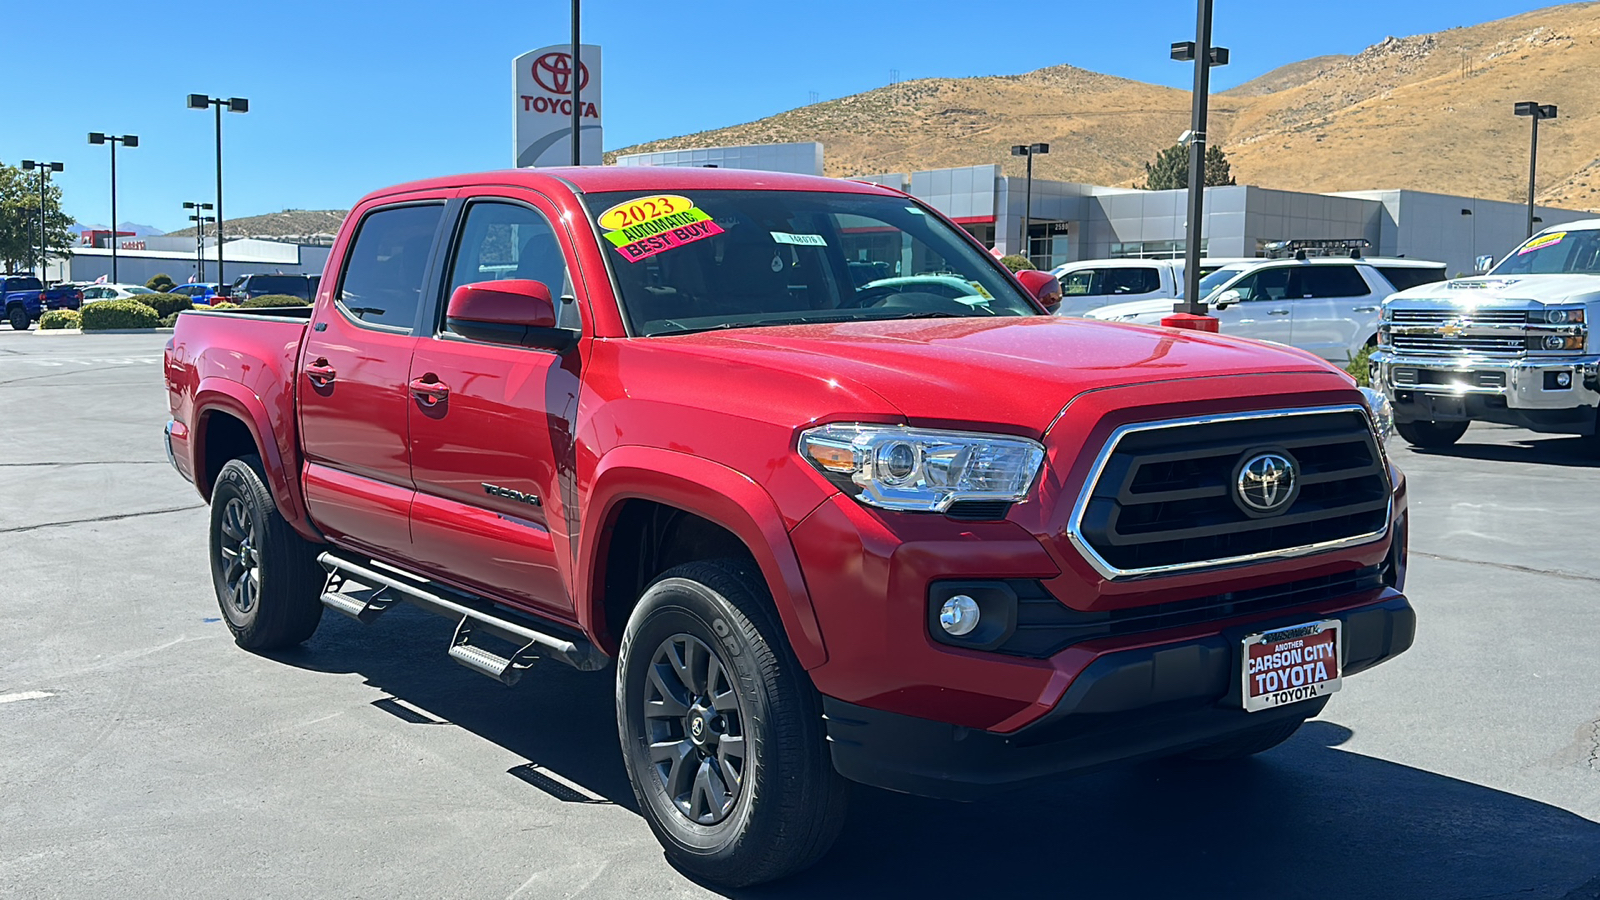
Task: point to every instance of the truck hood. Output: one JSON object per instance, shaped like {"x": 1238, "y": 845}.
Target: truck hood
{"x": 1515, "y": 290}
{"x": 1144, "y": 309}
{"x": 1014, "y": 373}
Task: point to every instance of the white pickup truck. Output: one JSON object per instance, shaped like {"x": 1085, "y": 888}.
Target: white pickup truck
{"x": 1510, "y": 346}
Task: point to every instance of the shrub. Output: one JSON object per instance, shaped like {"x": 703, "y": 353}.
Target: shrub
{"x": 224, "y": 304}
{"x": 61, "y": 318}
{"x": 1016, "y": 262}
{"x": 169, "y": 321}
{"x": 161, "y": 283}
{"x": 269, "y": 300}
{"x": 165, "y": 304}
{"x": 123, "y": 313}
{"x": 1360, "y": 367}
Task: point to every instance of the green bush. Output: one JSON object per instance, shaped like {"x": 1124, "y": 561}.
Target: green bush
{"x": 270, "y": 300}
{"x": 1360, "y": 368}
{"x": 161, "y": 283}
{"x": 165, "y": 304}
{"x": 124, "y": 313}
{"x": 169, "y": 321}
{"x": 1016, "y": 262}
{"x": 61, "y": 318}
{"x": 224, "y": 304}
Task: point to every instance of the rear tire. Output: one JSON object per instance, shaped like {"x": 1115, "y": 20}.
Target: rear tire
{"x": 1247, "y": 743}
{"x": 266, "y": 576}
{"x": 19, "y": 318}
{"x": 1432, "y": 435}
{"x": 749, "y": 794}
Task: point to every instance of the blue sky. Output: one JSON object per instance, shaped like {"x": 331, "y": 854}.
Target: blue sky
{"x": 350, "y": 96}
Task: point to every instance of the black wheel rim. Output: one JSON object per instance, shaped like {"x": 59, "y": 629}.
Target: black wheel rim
{"x": 239, "y": 547}
{"x": 695, "y": 729}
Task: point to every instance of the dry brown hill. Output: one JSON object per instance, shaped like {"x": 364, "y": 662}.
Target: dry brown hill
{"x": 1430, "y": 112}
{"x": 289, "y": 223}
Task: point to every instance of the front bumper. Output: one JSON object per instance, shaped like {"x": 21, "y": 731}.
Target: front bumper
{"x": 1133, "y": 704}
{"x": 1522, "y": 392}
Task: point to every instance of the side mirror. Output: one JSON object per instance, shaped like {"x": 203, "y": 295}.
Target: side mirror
{"x": 515, "y": 311}
{"x": 1485, "y": 263}
{"x": 1227, "y": 299}
{"x": 1042, "y": 286}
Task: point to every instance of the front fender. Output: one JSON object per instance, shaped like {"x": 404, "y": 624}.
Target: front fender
{"x": 713, "y": 492}
{"x": 221, "y": 395}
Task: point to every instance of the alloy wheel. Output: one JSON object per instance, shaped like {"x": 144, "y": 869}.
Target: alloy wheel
{"x": 241, "y": 556}
{"x": 695, "y": 729}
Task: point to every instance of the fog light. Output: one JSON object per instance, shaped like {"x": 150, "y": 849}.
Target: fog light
{"x": 1564, "y": 379}
{"x": 959, "y": 615}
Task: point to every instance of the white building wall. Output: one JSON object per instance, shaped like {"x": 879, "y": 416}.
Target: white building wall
{"x": 1456, "y": 230}
{"x": 796, "y": 159}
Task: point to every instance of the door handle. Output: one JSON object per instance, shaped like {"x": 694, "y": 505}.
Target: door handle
{"x": 1277, "y": 312}
{"x": 430, "y": 392}
{"x": 1363, "y": 309}
{"x": 320, "y": 373}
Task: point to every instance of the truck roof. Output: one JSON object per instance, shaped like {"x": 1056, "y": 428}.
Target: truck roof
{"x": 596, "y": 179}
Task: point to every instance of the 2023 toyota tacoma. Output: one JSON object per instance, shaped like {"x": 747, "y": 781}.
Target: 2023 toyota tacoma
{"x": 825, "y": 481}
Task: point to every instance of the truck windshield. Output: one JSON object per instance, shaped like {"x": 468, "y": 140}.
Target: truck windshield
{"x": 1555, "y": 253}
{"x": 708, "y": 260}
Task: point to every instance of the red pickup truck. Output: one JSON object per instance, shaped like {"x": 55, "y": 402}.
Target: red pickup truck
{"x": 830, "y": 486}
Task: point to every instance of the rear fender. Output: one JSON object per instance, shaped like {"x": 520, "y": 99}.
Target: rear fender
{"x": 220, "y": 395}
{"x": 713, "y": 492}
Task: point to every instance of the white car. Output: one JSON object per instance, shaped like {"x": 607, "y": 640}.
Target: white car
{"x": 95, "y": 292}
{"x": 1093, "y": 283}
{"x": 1330, "y": 306}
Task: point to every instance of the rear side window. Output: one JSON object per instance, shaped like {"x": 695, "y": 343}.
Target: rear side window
{"x": 23, "y": 284}
{"x": 293, "y": 285}
{"x": 1403, "y": 277}
{"x": 1331, "y": 281}
{"x": 384, "y": 271}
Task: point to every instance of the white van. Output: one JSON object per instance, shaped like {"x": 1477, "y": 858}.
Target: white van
{"x": 1093, "y": 283}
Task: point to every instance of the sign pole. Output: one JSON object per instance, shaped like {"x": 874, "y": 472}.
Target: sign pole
{"x": 577, "y": 82}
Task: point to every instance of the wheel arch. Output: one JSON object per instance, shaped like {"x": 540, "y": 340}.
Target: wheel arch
{"x": 631, "y": 482}
{"x": 229, "y": 422}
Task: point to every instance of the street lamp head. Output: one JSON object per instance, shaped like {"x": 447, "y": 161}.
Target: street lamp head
{"x": 1547, "y": 112}
{"x": 199, "y": 101}
{"x": 1184, "y": 51}
{"x": 1019, "y": 150}
{"x": 58, "y": 167}
{"x": 130, "y": 140}
{"x": 1039, "y": 148}
{"x": 28, "y": 164}
{"x": 238, "y": 105}
{"x": 96, "y": 137}
{"x": 1527, "y": 109}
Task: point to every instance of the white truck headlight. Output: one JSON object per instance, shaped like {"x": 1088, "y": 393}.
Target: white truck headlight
{"x": 922, "y": 470}
{"x": 1382, "y": 412}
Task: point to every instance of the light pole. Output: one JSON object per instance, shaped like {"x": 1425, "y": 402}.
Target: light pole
{"x": 127, "y": 140}
{"x": 232, "y": 104}
{"x": 1538, "y": 113}
{"x": 1204, "y": 56}
{"x": 577, "y": 82}
{"x": 45, "y": 168}
{"x": 199, "y": 219}
{"x": 1030, "y": 151}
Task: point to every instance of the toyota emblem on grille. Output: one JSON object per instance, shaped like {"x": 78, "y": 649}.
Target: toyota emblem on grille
{"x": 1267, "y": 484}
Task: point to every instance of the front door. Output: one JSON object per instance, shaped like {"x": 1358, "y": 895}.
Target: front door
{"x": 353, "y": 399}
{"x": 492, "y": 425}
{"x": 1265, "y": 310}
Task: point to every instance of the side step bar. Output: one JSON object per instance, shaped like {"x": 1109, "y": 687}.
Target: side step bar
{"x": 361, "y": 591}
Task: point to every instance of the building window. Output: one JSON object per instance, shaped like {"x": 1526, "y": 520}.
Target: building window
{"x": 1153, "y": 249}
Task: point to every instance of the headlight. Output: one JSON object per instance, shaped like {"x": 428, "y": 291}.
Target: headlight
{"x": 917, "y": 469}
{"x": 1382, "y": 412}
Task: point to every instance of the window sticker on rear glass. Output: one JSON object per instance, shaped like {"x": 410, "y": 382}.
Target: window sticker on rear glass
{"x": 641, "y": 228}
{"x": 1539, "y": 243}
{"x": 799, "y": 240}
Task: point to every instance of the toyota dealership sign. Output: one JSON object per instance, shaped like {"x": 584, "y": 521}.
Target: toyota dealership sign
{"x": 543, "y": 99}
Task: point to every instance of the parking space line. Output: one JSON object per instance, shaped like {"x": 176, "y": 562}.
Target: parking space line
{"x": 25, "y": 695}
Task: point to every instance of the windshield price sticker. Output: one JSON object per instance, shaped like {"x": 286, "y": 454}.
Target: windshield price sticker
{"x": 666, "y": 239}
{"x": 1290, "y": 665}
{"x": 1539, "y": 243}
{"x": 644, "y": 209}
{"x": 799, "y": 240}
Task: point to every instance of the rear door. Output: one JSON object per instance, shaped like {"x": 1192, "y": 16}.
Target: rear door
{"x": 1337, "y": 309}
{"x": 493, "y": 457}
{"x": 352, "y": 394}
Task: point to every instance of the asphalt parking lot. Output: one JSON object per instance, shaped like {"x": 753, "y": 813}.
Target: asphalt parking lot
{"x": 143, "y": 755}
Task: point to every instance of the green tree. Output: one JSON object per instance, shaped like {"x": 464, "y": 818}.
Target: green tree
{"x": 161, "y": 283}
{"x": 1016, "y": 262}
{"x": 19, "y": 220}
{"x": 1170, "y": 171}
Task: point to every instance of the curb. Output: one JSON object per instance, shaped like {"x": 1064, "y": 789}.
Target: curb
{"x": 54, "y": 331}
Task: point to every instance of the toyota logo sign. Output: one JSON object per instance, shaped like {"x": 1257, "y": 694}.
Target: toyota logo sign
{"x": 553, "y": 72}
{"x": 1266, "y": 484}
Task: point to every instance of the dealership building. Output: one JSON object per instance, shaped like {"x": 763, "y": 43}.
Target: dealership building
{"x": 141, "y": 258}
{"x": 1073, "y": 222}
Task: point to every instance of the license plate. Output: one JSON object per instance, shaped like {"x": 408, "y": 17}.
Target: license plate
{"x": 1288, "y": 665}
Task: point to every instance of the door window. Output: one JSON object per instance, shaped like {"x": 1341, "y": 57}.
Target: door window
{"x": 1079, "y": 283}
{"x": 1331, "y": 281}
{"x": 384, "y": 271}
{"x": 505, "y": 240}
{"x": 1132, "y": 281}
{"x": 1267, "y": 285}
{"x": 1405, "y": 277}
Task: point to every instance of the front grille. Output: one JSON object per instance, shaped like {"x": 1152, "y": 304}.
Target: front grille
{"x": 1165, "y": 496}
{"x": 1045, "y": 626}
{"x": 1439, "y": 344}
{"x": 1480, "y": 317}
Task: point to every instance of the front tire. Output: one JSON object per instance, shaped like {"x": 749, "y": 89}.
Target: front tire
{"x": 1432, "y": 435}
{"x": 721, "y": 730}
{"x": 19, "y": 318}
{"x": 266, "y": 576}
